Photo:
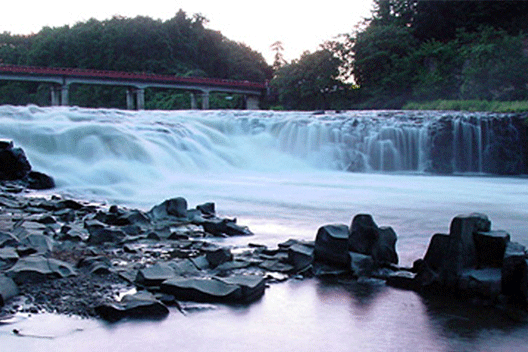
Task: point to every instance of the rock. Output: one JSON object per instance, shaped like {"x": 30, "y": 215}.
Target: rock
{"x": 403, "y": 279}
{"x": 39, "y": 181}
{"x": 514, "y": 272}
{"x": 207, "y": 209}
{"x": 175, "y": 207}
{"x": 369, "y": 239}
{"x": 218, "y": 256}
{"x": 201, "y": 290}
{"x": 155, "y": 274}
{"x": 300, "y": 256}
{"x": 96, "y": 265}
{"x": 8, "y": 240}
{"x": 39, "y": 268}
{"x": 490, "y": 248}
{"x": 485, "y": 283}
{"x": 141, "y": 305}
{"x": 219, "y": 227}
{"x": 436, "y": 251}
{"x": 361, "y": 264}
{"x": 102, "y": 235}
{"x": 252, "y": 286}
{"x": 41, "y": 243}
{"x": 8, "y": 289}
{"x": 331, "y": 245}
{"x": 13, "y": 163}
{"x": 184, "y": 267}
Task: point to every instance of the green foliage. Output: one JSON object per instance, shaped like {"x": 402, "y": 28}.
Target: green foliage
{"x": 310, "y": 82}
{"x": 179, "y": 46}
{"x": 470, "y": 105}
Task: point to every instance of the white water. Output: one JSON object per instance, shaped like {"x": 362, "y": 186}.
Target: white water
{"x": 280, "y": 174}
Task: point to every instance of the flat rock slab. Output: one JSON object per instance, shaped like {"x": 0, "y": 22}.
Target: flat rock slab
{"x": 141, "y": 305}
{"x": 253, "y": 286}
{"x": 154, "y": 275}
{"x": 201, "y": 290}
{"x": 8, "y": 289}
{"x": 39, "y": 268}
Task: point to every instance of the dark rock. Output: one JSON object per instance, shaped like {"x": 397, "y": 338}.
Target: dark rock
{"x": 40, "y": 181}
{"x": 252, "y": 286}
{"x": 8, "y": 240}
{"x": 484, "y": 283}
{"x": 201, "y": 262}
{"x": 201, "y": 290}
{"x": 363, "y": 234}
{"x": 8, "y": 289}
{"x": 219, "y": 227}
{"x": 175, "y": 207}
{"x": 403, "y": 279}
{"x": 13, "y": 163}
{"x": 8, "y": 255}
{"x": 436, "y": 251}
{"x": 155, "y": 274}
{"x": 184, "y": 267}
{"x": 38, "y": 268}
{"x": 41, "y": 243}
{"x": 277, "y": 266}
{"x": 384, "y": 250}
{"x": 207, "y": 209}
{"x": 361, "y": 264}
{"x": 96, "y": 265}
{"x": 514, "y": 272}
{"x": 141, "y": 305}
{"x": 300, "y": 256}
{"x": 102, "y": 235}
{"x": 490, "y": 247}
{"x": 331, "y": 245}
{"x": 218, "y": 256}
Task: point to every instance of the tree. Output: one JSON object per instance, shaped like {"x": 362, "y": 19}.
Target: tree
{"x": 278, "y": 60}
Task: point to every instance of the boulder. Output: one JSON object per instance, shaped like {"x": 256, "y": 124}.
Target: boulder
{"x": 490, "y": 247}
{"x": 514, "y": 272}
{"x": 218, "y": 256}
{"x": 175, "y": 207}
{"x": 155, "y": 274}
{"x": 219, "y": 227}
{"x": 39, "y": 181}
{"x": 252, "y": 286}
{"x": 13, "y": 162}
{"x": 8, "y": 289}
{"x": 436, "y": 251}
{"x": 361, "y": 264}
{"x": 207, "y": 209}
{"x": 300, "y": 256}
{"x": 141, "y": 305}
{"x": 369, "y": 239}
{"x": 484, "y": 283}
{"x": 331, "y": 245}
{"x": 39, "y": 268}
{"x": 201, "y": 290}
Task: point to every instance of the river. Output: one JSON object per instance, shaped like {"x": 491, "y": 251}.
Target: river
{"x": 281, "y": 174}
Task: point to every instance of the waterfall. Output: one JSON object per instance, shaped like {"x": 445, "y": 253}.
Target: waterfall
{"x": 113, "y": 145}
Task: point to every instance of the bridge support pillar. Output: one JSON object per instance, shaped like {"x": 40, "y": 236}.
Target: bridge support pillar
{"x": 252, "y": 103}
{"x": 55, "y": 98}
{"x": 140, "y": 95}
{"x": 130, "y": 98}
{"x": 194, "y": 104}
{"x": 65, "y": 89}
{"x": 205, "y": 100}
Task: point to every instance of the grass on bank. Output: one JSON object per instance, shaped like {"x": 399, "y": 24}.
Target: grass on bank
{"x": 470, "y": 105}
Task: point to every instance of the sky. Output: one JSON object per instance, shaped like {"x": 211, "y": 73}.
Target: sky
{"x": 299, "y": 25}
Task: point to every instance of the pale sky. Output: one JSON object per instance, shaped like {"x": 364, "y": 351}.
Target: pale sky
{"x": 299, "y": 25}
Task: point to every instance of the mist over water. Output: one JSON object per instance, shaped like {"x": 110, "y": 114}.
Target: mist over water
{"x": 283, "y": 174}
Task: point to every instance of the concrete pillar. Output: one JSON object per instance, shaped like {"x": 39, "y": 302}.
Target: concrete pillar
{"x": 64, "y": 94}
{"x": 205, "y": 100}
{"x": 252, "y": 103}
{"x": 194, "y": 104}
{"x": 130, "y": 98}
{"x": 140, "y": 95}
{"x": 55, "y": 99}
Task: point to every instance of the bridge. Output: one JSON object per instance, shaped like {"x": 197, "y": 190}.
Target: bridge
{"x": 136, "y": 83}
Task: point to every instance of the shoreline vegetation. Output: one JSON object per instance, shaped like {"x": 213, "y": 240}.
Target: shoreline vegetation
{"x": 470, "y": 105}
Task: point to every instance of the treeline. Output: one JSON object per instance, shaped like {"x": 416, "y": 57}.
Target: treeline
{"x": 178, "y": 46}
{"x": 416, "y": 50}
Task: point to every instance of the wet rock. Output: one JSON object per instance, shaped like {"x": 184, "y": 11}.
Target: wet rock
{"x": 514, "y": 272}
{"x": 485, "y": 283}
{"x": 38, "y": 180}
{"x": 40, "y": 243}
{"x": 252, "y": 286}
{"x": 403, "y": 279}
{"x": 8, "y": 257}
{"x": 155, "y": 274}
{"x": 39, "y": 268}
{"x": 201, "y": 290}
{"x": 102, "y": 235}
{"x": 490, "y": 247}
{"x": 8, "y": 289}
{"x": 361, "y": 264}
{"x": 141, "y": 305}
{"x": 228, "y": 227}
{"x": 8, "y": 240}
{"x": 175, "y": 207}
{"x": 13, "y": 162}
{"x": 300, "y": 256}
{"x": 438, "y": 247}
{"x": 184, "y": 267}
{"x": 207, "y": 209}
{"x": 331, "y": 245}
{"x": 369, "y": 239}
{"x": 96, "y": 265}
{"x": 218, "y": 256}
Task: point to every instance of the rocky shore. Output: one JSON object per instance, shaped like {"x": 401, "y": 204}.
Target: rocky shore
{"x": 74, "y": 257}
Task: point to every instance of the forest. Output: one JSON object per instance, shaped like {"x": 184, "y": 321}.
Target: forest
{"x": 180, "y": 46}
{"x": 408, "y": 51}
